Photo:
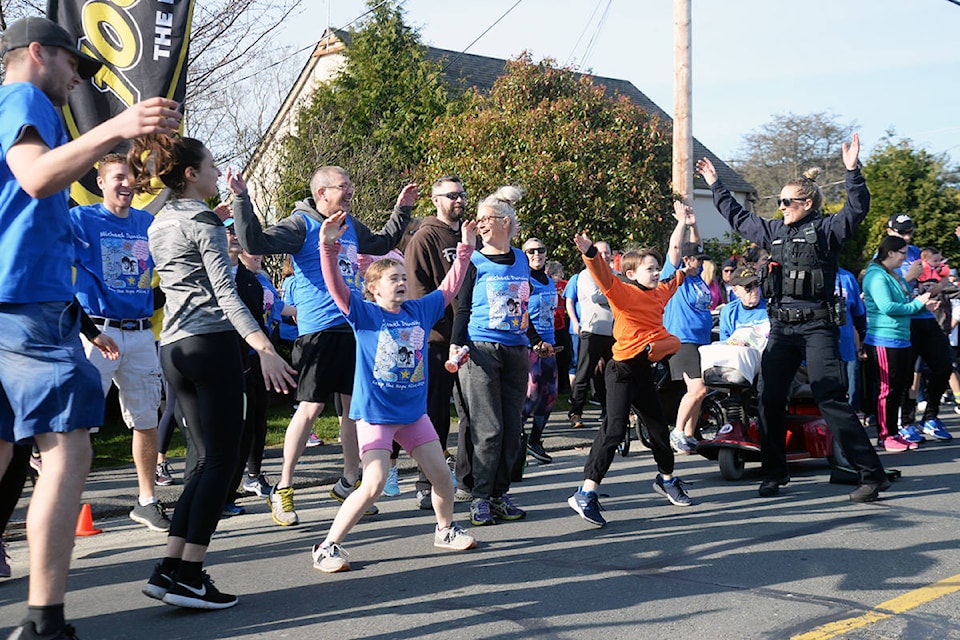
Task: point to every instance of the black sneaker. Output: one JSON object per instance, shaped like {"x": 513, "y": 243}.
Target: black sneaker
{"x": 152, "y": 516}
{"x": 538, "y": 453}
{"x": 203, "y": 596}
{"x": 158, "y": 584}
{"x": 869, "y": 491}
{"x": 770, "y": 488}
{"x": 28, "y": 631}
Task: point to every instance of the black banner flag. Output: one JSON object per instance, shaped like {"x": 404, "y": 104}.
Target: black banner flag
{"x": 143, "y": 47}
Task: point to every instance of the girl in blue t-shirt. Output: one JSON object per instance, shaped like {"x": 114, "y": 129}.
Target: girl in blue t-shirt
{"x": 390, "y": 386}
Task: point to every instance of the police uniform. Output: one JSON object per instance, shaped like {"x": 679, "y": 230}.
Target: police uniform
{"x": 805, "y": 316}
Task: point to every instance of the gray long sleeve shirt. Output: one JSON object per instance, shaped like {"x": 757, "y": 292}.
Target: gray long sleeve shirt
{"x": 189, "y": 247}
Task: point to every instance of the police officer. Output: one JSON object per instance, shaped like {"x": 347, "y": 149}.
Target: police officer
{"x": 804, "y": 315}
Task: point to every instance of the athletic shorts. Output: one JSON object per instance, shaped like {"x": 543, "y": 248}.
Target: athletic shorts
{"x": 381, "y": 436}
{"x": 686, "y": 361}
{"x": 136, "y": 373}
{"x": 46, "y": 382}
{"x": 326, "y": 361}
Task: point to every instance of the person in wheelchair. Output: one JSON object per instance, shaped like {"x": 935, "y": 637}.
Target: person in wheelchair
{"x": 748, "y": 308}
{"x": 641, "y": 340}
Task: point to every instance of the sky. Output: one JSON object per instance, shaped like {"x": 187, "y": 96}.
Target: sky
{"x": 883, "y": 64}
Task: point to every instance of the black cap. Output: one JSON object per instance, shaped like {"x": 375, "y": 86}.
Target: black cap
{"x": 48, "y": 33}
{"x": 730, "y": 263}
{"x": 900, "y": 222}
{"x": 692, "y": 250}
{"x": 744, "y": 276}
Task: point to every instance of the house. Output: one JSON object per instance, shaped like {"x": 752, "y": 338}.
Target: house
{"x": 461, "y": 70}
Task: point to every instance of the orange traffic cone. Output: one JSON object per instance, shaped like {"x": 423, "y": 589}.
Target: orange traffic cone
{"x": 85, "y": 523}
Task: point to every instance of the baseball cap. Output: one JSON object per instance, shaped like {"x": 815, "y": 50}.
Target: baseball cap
{"x": 744, "y": 276}
{"x": 900, "y": 222}
{"x": 48, "y": 33}
{"x": 729, "y": 263}
{"x": 692, "y": 250}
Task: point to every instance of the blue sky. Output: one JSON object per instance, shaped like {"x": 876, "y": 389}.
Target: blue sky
{"x": 881, "y": 63}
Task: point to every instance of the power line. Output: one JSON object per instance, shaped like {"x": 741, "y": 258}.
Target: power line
{"x": 485, "y": 31}
{"x": 586, "y": 25}
{"x": 596, "y": 33}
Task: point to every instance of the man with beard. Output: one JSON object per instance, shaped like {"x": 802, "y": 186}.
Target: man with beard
{"x": 429, "y": 256}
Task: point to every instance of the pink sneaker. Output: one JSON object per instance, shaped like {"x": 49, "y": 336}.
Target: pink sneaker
{"x": 895, "y": 444}
{"x": 313, "y": 440}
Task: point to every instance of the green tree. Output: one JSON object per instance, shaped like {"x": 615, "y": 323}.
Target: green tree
{"x": 904, "y": 179}
{"x": 586, "y": 160}
{"x": 369, "y": 118}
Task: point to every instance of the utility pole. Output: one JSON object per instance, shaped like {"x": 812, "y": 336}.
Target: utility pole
{"x": 682, "y": 102}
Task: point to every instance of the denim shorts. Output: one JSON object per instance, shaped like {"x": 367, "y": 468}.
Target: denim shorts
{"x": 46, "y": 382}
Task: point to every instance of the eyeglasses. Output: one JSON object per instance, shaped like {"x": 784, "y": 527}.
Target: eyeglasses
{"x": 454, "y": 195}
{"x": 342, "y": 187}
{"x": 786, "y": 202}
{"x": 231, "y": 231}
{"x": 488, "y": 219}
{"x": 533, "y": 250}
{"x": 903, "y": 251}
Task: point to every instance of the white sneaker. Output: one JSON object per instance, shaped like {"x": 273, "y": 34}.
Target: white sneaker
{"x": 329, "y": 558}
{"x": 281, "y": 507}
{"x": 679, "y": 443}
{"x": 453, "y": 538}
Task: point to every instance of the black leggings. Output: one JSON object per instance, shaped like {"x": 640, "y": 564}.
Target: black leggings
{"x": 11, "y": 485}
{"x": 207, "y": 376}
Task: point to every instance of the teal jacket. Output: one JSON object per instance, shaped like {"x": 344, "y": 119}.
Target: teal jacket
{"x": 889, "y": 306}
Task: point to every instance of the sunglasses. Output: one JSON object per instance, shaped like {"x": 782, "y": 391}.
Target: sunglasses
{"x": 454, "y": 195}
{"x": 748, "y": 287}
{"x": 533, "y": 250}
{"x": 786, "y": 202}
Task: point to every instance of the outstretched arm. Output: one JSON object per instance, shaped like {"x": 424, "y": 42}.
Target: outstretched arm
{"x": 458, "y": 270}
{"x": 331, "y": 231}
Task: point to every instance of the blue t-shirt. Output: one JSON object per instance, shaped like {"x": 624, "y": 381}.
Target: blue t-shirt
{"x": 390, "y": 380}
{"x": 288, "y": 328}
{"x": 848, "y": 290}
{"x": 499, "y": 305}
{"x": 114, "y": 267}
{"x": 316, "y": 309}
{"x": 543, "y": 302}
{"x": 36, "y": 241}
{"x": 734, "y": 315}
{"x": 570, "y": 291}
{"x": 687, "y": 314}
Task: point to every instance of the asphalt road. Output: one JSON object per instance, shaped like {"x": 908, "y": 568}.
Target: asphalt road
{"x": 733, "y": 565}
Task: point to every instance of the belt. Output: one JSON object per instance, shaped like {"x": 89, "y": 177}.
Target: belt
{"x": 793, "y": 315}
{"x": 123, "y": 325}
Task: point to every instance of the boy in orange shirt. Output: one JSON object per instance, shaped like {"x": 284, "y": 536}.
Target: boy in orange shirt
{"x": 640, "y": 340}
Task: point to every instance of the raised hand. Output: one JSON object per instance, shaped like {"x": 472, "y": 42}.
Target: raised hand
{"x": 156, "y": 115}
{"x": 851, "y": 152}
{"x": 223, "y": 211}
{"x": 408, "y": 196}
{"x": 706, "y": 169}
{"x": 684, "y": 213}
{"x": 235, "y": 182}
{"x": 333, "y": 228}
{"x": 468, "y": 232}
{"x": 583, "y": 242}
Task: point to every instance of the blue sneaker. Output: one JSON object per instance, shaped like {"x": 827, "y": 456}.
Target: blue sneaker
{"x": 587, "y": 505}
{"x": 480, "y": 515}
{"x": 672, "y": 490}
{"x": 935, "y": 428}
{"x": 911, "y": 434}
{"x": 392, "y": 488}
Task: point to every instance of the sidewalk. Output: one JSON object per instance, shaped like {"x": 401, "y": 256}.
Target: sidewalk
{"x": 113, "y": 492}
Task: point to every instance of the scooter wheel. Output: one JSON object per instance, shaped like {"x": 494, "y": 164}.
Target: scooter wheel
{"x": 731, "y": 463}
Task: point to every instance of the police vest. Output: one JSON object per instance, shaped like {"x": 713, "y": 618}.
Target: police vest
{"x": 806, "y": 270}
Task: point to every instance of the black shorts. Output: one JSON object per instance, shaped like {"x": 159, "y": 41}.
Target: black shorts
{"x": 686, "y": 361}
{"x": 326, "y": 361}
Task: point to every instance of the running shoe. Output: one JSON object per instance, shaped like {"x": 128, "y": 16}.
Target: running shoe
{"x": 453, "y": 538}
{"x": 28, "y": 631}
{"x": 678, "y": 442}
{"x": 198, "y": 596}
{"x": 503, "y": 508}
{"x": 232, "y": 509}
{"x": 4, "y": 560}
{"x": 869, "y": 491}
{"x": 258, "y": 486}
{"x": 910, "y": 433}
{"x": 575, "y": 420}
{"x": 341, "y": 491}
{"x": 313, "y": 440}
{"x": 392, "y": 488}
{"x": 462, "y": 495}
{"x": 480, "y": 515}
{"x": 281, "y": 506}
{"x": 164, "y": 477}
{"x": 934, "y": 428}
{"x": 672, "y": 490}
{"x": 424, "y": 500}
{"x": 895, "y": 444}
{"x": 538, "y": 453}
{"x": 329, "y": 558}
{"x": 158, "y": 584}
{"x": 151, "y": 516}
{"x": 587, "y": 505}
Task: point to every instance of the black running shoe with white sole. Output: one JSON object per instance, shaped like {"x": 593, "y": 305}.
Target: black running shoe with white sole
{"x": 158, "y": 584}
{"x": 201, "y": 596}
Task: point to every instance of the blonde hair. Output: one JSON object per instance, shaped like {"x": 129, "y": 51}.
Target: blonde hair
{"x": 807, "y": 187}
{"x": 501, "y": 203}
{"x": 709, "y": 270}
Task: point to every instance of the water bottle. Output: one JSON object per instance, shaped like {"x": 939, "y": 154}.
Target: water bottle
{"x": 458, "y": 359}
